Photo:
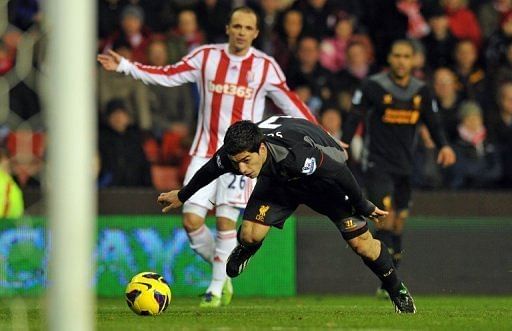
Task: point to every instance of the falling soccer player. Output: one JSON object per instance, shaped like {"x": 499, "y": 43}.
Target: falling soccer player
{"x": 296, "y": 162}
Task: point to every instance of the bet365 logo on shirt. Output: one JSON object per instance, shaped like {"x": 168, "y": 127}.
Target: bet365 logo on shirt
{"x": 231, "y": 89}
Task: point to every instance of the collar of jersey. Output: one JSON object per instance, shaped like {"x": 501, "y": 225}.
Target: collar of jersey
{"x": 236, "y": 58}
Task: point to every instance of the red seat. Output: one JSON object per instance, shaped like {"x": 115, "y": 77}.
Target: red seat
{"x": 165, "y": 177}
{"x": 151, "y": 150}
{"x": 172, "y": 149}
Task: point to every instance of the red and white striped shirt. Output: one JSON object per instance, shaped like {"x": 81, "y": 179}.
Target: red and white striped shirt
{"x": 232, "y": 88}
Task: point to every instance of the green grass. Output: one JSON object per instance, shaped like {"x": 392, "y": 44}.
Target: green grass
{"x": 304, "y": 312}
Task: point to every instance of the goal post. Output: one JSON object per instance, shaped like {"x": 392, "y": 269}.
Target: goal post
{"x": 70, "y": 184}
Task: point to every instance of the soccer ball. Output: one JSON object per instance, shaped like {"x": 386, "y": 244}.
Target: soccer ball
{"x": 148, "y": 294}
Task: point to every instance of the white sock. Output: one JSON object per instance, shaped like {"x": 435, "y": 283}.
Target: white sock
{"x": 225, "y": 242}
{"x": 201, "y": 241}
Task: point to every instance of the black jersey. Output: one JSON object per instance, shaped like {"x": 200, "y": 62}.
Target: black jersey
{"x": 298, "y": 152}
{"x": 391, "y": 115}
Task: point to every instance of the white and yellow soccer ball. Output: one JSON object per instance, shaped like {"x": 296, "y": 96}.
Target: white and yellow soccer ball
{"x": 148, "y": 294}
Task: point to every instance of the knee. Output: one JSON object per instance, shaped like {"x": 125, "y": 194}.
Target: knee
{"x": 192, "y": 222}
{"x": 248, "y": 237}
{"x": 365, "y": 246}
{"x": 359, "y": 246}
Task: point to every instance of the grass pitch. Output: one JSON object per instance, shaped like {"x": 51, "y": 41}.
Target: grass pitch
{"x": 303, "y": 312}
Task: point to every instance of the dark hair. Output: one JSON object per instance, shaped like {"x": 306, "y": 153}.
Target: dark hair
{"x": 114, "y": 105}
{"x": 243, "y": 136}
{"x": 406, "y": 42}
{"x": 247, "y": 10}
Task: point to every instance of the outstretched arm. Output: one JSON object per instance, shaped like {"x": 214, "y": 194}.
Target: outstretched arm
{"x": 280, "y": 93}
{"x": 109, "y": 61}
{"x": 185, "y": 71}
{"x": 218, "y": 165}
{"x": 310, "y": 161}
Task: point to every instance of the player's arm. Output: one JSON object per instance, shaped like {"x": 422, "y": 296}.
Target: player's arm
{"x": 310, "y": 161}
{"x": 430, "y": 117}
{"x": 360, "y": 103}
{"x": 185, "y": 71}
{"x": 218, "y": 165}
{"x": 280, "y": 93}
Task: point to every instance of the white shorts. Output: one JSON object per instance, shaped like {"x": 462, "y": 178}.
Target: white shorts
{"x": 228, "y": 192}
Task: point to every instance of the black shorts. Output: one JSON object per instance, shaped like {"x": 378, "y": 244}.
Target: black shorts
{"x": 272, "y": 202}
{"x": 387, "y": 190}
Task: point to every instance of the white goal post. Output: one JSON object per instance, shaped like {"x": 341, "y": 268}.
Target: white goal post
{"x": 70, "y": 185}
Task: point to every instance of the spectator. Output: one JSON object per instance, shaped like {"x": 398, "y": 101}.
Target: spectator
{"x": 491, "y": 13}
{"x": 477, "y": 164}
{"x": 186, "y": 32}
{"x": 268, "y": 11}
{"x": 171, "y": 109}
{"x": 419, "y": 68}
{"x": 440, "y": 42}
{"x": 305, "y": 95}
{"x": 109, "y": 12}
{"x": 502, "y": 130}
{"x": 448, "y": 101}
{"x": 333, "y": 50}
{"x": 308, "y": 70}
{"x": 122, "y": 158}
{"x": 319, "y": 16}
{"x": 346, "y": 81}
{"x": 463, "y": 22}
{"x": 386, "y": 24}
{"x": 286, "y": 41}
{"x": 417, "y": 27}
{"x": 133, "y": 93}
{"x": 496, "y": 50}
{"x": 504, "y": 71}
{"x": 471, "y": 76}
{"x": 330, "y": 120}
{"x": 132, "y": 33}
{"x": 212, "y": 16}
{"x": 11, "y": 197}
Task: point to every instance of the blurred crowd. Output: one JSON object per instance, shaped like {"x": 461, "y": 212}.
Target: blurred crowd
{"x": 325, "y": 47}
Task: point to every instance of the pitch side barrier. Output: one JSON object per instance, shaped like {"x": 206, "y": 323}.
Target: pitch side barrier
{"x": 127, "y": 245}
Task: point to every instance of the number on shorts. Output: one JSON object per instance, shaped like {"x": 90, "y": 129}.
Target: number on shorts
{"x": 241, "y": 183}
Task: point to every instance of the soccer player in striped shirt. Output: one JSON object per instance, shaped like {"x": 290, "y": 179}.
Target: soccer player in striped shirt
{"x": 233, "y": 81}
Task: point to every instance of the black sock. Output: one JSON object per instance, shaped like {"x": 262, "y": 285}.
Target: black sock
{"x": 249, "y": 248}
{"x": 397, "y": 249}
{"x": 384, "y": 269}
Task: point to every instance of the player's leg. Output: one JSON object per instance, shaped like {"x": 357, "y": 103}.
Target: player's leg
{"x": 194, "y": 213}
{"x": 250, "y": 239}
{"x": 377, "y": 258}
{"x": 231, "y": 195}
{"x": 269, "y": 205}
{"x": 401, "y": 200}
{"x": 379, "y": 190}
{"x": 225, "y": 241}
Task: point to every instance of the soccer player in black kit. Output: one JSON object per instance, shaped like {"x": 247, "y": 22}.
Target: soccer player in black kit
{"x": 296, "y": 162}
{"x": 392, "y": 104}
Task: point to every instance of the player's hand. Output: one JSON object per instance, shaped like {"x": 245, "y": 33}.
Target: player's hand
{"x": 109, "y": 61}
{"x": 169, "y": 200}
{"x": 446, "y": 156}
{"x": 342, "y": 144}
{"x": 377, "y": 214}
